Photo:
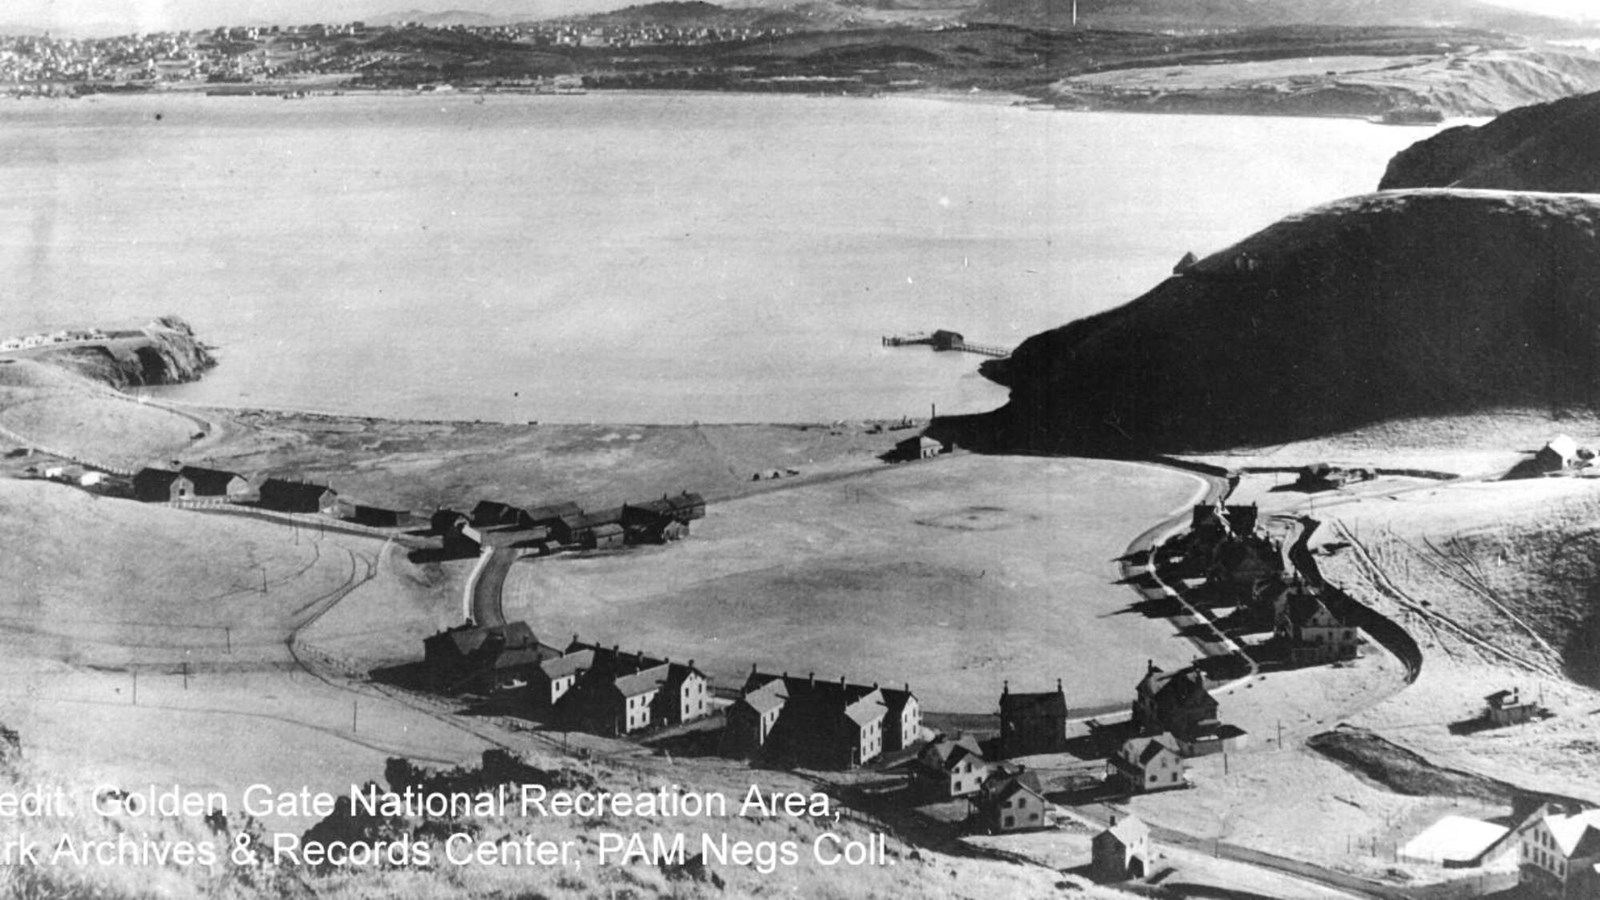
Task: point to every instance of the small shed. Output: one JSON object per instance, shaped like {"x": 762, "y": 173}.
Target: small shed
{"x": 1560, "y": 453}
{"x": 1508, "y": 708}
{"x": 1121, "y": 852}
{"x": 917, "y": 448}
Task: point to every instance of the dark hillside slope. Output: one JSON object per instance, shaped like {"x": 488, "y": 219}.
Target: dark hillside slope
{"x": 1545, "y": 147}
{"x": 1381, "y": 306}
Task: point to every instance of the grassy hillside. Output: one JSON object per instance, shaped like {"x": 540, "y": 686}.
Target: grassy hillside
{"x": 1368, "y": 309}
{"x": 1545, "y": 147}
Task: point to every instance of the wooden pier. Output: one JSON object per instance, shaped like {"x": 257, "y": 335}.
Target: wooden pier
{"x": 942, "y": 340}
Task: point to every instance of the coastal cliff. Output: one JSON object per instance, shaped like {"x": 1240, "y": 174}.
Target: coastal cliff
{"x": 165, "y": 351}
{"x": 1545, "y": 147}
{"x": 1383, "y": 306}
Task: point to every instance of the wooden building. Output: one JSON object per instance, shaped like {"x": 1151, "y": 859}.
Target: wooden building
{"x": 1011, "y": 802}
{"x": 949, "y": 768}
{"x": 1120, "y": 852}
{"x": 902, "y": 726}
{"x": 561, "y": 518}
{"x": 154, "y": 485}
{"x": 600, "y": 530}
{"x": 1313, "y": 633}
{"x": 555, "y": 676}
{"x": 1508, "y": 708}
{"x": 751, "y": 718}
{"x": 1175, "y": 702}
{"x": 295, "y": 496}
{"x": 1149, "y": 763}
{"x": 620, "y": 693}
{"x": 660, "y": 521}
{"x": 1032, "y": 722}
{"x": 481, "y": 658}
{"x": 914, "y": 448}
{"x": 826, "y": 724}
{"x": 1559, "y": 454}
{"x": 1560, "y": 852}
{"x": 1238, "y": 564}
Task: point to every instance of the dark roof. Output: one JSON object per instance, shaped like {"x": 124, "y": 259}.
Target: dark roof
{"x": 468, "y": 638}
{"x": 154, "y": 477}
{"x": 555, "y": 511}
{"x": 567, "y": 664}
{"x": 208, "y": 482}
{"x": 1302, "y": 608}
{"x": 597, "y": 519}
{"x": 682, "y": 507}
{"x": 1043, "y": 704}
{"x": 897, "y": 699}
{"x": 489, "y": 513}
{"x": 1004, "y": 786}
{"x": 294, "y": 493}
{"x": 945, "y": 752}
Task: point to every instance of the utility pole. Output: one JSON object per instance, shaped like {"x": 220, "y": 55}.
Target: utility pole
{"x": 135, "y": 687}
{"x": 355, "y": 709}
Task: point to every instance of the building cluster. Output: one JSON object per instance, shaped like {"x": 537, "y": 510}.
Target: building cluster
{"x": 234, "y": 54}
{"x": 189, "y": 483}
{"x": 1243, "y": 567}
{"x": 603, "y": 690}
{"x": 565, "y": 525}
{"x": 48, "y": 338}
{"x": 821, "y": 724}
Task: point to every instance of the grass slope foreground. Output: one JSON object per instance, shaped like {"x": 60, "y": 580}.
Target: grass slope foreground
{"x": 1544, "y": 147}
{"x": 1409, "y": 303}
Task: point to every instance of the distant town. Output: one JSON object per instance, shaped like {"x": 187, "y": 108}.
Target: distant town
{"x": 365, "y": 56}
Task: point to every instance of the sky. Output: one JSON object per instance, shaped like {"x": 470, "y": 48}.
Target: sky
{"x": 69, "y": 17}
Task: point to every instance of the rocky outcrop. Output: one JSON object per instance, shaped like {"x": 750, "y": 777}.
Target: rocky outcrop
{"x": 1546, "y": 147}
{"x": 1382, "y": 306}
{"x": 162, "y": 352}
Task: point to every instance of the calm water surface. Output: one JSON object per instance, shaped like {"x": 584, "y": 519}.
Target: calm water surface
{"x": 625, "y": 258}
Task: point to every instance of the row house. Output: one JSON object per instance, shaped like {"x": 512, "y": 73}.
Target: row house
{"x": 660, "y": 521}
{"x": 822, "y": 723}
{"x": 1032, "y": 722}
{"x": 1313, "y": 633}
{"x": 187, "y": 483}
{"x": 615, "y": 693}
{"x": 949, "y": 768}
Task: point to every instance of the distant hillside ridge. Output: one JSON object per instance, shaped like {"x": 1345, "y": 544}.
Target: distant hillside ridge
{"x": 1378, "y": 307}
{"x": 1209, "y": 14}
{"x": 1544, "y": 147}
{"x": 165, "y": 351}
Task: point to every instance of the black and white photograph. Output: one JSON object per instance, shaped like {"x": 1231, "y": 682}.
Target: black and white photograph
{"x": 893, "y": 449}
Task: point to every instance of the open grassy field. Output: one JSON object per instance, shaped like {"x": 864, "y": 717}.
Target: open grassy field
{"x": 953, "y": 575}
